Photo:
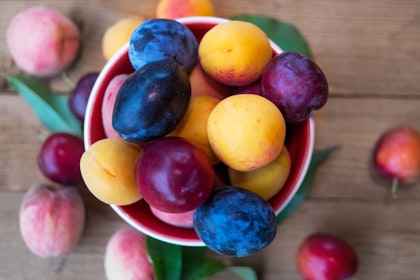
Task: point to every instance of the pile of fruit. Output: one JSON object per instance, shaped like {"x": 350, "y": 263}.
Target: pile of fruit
{"x": 220, "y": 90}
{"x": 164, "y": 136}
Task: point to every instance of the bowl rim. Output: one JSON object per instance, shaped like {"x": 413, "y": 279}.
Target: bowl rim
{"x": 118, "y": 209}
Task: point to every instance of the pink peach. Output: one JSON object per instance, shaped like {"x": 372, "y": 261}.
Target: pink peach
{"x": 184, "y": 220}
{"x": 126, "y": 256}
{"x": 51, "y": 219}
{"x": 42, "y": 41}
{"x": 203, "y": 84}
{"x": 108, "y": 104}
{"x": 173, "y": 9}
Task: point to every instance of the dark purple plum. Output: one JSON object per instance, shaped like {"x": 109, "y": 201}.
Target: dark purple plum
{"x": 235, "y": 222}
{"x": 296, "y": 84}
{"x": 173, "y": 175}
{"x": 160, "y": 39}
{"x": 151, "y": 102}
{"x": 79, "y": 96}
{"x": 59, "y": 158}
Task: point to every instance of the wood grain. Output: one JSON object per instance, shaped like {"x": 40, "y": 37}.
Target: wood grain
{"x": 370, "y": 52}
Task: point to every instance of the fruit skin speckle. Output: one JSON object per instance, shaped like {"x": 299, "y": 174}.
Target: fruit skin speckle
{"x": 42, "y": 42}
{"x": 235, "y": 222}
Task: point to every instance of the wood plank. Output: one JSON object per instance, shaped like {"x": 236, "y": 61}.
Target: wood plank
{"x": 387, "y": 228}
{"x": 353, "y": 124}
{"x": 369, "y": 51}
{"x": 364, "y": 47}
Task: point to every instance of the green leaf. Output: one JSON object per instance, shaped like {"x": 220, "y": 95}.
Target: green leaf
{"x": 51, "y": 108}
{"x": 285, "y": 35}
{"x": 197, "y": 266}
{"x": 245, "y": 272}
{"x": 193, "y": 259}
{"x": 318, "y": 157}
{"x": 166, "y": 258}
{"x": 210, "y": 267}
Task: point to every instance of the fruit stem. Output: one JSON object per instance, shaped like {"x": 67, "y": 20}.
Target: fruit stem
{"x": 68, "y": 81}
{"x": 394, "y": 187}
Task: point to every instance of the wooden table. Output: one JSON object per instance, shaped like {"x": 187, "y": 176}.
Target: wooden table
{"x": 370, "y": 52}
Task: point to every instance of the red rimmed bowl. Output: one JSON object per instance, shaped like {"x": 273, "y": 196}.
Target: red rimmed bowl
{"x": 299, "y": 141}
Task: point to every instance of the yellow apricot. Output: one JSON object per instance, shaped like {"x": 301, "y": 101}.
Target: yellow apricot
{"x": 246, "y": 131}
{"x": 235, "y": 52}
{"x": 118, "y": 34}
{"x": 108, "y": 171}
{"x": 265, "y": 181}
{"x": 173, "y": 9}
{"x": 193, "y": 126}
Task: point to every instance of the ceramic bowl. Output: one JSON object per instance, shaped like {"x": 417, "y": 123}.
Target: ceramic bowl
{"x": 299, "y": 141}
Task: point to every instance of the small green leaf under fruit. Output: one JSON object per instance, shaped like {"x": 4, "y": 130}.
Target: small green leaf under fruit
{"x": 245, "y": 272}
{"x": 166, "y": 258}
{"x": 318, "y": 157}
{"x": 285, "y": 35}
{"x": 51, "y": 108}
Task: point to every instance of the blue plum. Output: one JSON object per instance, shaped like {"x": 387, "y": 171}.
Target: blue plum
{"x": 235, "y": 222}
{"x": 159, "y": 39}
{"x": 151, "y": 102}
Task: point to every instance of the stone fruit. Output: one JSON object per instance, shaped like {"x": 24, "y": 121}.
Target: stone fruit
{"x": 163, "y": 39}
{"x": 126, "y": 256}
{"x": 108, "y": 104}
{"x": 183, "y": 220}
{"x": 151, "y": 102}
{"x": 108, "y": 171}
{"x": 174, "y": 175}
{"x": 79, "y": 96}
{"x": 118, "y": 34}
{"x": 396, "y": 155}
{"x": 235, "y": 52}
{"x": 59, "y": 157}
{"x": 265, "y": 181}
{"x": 235, "y": 222}
{"x": 295, "y": 84}
{"x": 193, "y": 126}
{"x": 51, "y": 219}
{"x": 203, "y": 84}
{"x": 174, "y": 9}
{"x": 246, "y": 131}
{"x": 324, "y": 257}
{"x": 42, "y": 41}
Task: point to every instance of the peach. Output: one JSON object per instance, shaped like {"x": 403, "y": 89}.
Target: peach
{"x": 173, "y": 9}
{"x": 203, "y": 84}
{"x": 108, "y": 171}
{"x": 235, "y": 52}
{"x": 193, "y": 126}
{"x": 108, "y": 104}
{"x": 265, "y": 181}
{"x": 118, "y": 34}
{"x": 126, "y": 256}
{"x": 43, "y": 42}
{"x": 51, "y": 219}
{"x": 183, "y": 220}
{"x": 246, "y": 131}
